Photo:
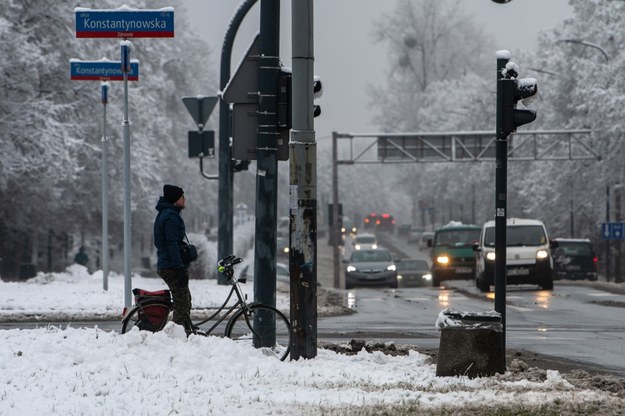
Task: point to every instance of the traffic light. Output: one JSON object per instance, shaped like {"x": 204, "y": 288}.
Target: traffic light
{"x": 284, "y": 99}
{"x": 513, "y": 90}
{"x": 317, "y": 92}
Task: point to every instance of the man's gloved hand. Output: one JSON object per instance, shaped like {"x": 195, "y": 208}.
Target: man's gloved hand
{"x": 183, "y": 277}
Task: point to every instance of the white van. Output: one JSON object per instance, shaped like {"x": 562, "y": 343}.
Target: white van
{"x": 365, "y": 241}
{"x": 528, "y": 254}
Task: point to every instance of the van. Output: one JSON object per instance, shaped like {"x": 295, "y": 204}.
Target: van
{"x": 451, "y": 252}
{"x": 365, "y": 241}
{"x": 528, "y": 254}
{"x": 574, "y": 259}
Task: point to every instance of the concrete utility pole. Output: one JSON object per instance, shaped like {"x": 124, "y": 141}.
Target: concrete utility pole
{"x": 303, "y": 189}
{"x": 267, "y": 160}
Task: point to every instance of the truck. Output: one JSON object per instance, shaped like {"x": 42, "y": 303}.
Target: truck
{"x": 451, "y": 252}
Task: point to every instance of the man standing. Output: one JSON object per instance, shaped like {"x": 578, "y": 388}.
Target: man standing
{"x": 169, "y": 235}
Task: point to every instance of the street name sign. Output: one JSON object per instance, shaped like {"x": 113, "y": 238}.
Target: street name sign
{"x": 124, "y": 22}
{"x": 103, "y": 70}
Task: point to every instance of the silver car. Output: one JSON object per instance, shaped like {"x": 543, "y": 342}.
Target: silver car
{"x": 370, "y": 267}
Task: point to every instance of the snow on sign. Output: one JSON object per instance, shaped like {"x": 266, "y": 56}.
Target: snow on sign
{"x": 124, "y": 23}
{"x": 103, "y": 70}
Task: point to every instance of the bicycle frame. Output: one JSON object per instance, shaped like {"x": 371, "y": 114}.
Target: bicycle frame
{"x": 240, "y": 303}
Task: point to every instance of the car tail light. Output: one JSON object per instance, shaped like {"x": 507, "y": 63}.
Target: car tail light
{"x": 595, "y": 259}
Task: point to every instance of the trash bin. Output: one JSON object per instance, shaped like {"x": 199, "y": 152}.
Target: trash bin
{"x": 471, "y": 344}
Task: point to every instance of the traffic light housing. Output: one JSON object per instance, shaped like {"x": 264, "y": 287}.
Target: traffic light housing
{"x": 284, "y": 100}
{"x": 317, "y": 92}
{"x": 514, "y": 90}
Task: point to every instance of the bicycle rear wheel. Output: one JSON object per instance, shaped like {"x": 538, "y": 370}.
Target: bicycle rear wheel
{"x": 147, "y": 317}
{"x": 264, "y": 327}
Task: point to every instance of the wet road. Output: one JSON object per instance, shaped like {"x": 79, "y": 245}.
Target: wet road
{"x": 580, "y": 322}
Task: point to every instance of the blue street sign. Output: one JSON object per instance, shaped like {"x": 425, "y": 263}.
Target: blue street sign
{"x": 124, "y": 23}
{"x": 612, "y": 230}
{"x": 102, "y": 70}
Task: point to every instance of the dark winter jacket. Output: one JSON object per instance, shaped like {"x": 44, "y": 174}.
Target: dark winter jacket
{"x": 169, "y": 235}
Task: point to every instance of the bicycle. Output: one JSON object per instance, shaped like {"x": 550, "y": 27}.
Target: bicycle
{"x": 262, "y": 325}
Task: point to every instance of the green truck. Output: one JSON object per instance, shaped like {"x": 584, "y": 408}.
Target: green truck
{"x": 451, "y": 252}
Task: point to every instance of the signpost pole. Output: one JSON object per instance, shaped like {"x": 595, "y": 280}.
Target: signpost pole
{"x": 105, "y": 186}
{"x": 125, "y": 52}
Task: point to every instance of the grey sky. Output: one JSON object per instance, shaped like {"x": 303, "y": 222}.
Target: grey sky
{"x": 346, "y": 58}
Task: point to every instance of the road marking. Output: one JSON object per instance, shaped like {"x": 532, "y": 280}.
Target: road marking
{"x": 602, "y": 294}
{"x": 520, "y": 308}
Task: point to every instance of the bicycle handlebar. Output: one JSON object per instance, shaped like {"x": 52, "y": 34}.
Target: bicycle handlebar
{"x": 227, "y": 262}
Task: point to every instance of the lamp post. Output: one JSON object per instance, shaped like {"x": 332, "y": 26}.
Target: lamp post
{"x": 588, "y": 44}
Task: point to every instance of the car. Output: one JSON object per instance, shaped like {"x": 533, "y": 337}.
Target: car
{"x": 370, "y": 267}
{"x": 528, "y": 254}
{"x": 413, "y": 272}
{"x": 574, "y": 259}
{"x": 364, "y": 241}
{"x": 452, "y": 255}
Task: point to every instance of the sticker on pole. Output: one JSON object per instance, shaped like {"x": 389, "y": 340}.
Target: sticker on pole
{"x": 103, "y": 70}
{"x": 124, "y": 23}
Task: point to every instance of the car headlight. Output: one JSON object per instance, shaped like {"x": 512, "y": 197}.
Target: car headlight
{"x": 444, "y": 260}
{"x": 490, "y": 256}
{"x": 357, "y": 246}
{"x": 542, "y": 254}
{"x": 374, "y": 246}
{"x": 427, "y": 276}
{"x": 391, "y": 267}
{"x": 399, "y": 277}
{"x": 351, "y": 269}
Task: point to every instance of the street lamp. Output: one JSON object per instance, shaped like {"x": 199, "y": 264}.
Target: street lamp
{"x": 589, "y": 44}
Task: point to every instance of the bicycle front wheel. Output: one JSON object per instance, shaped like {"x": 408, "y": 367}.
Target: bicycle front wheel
{"x": 264, "y": 327}
{"x": 147, "y": 317}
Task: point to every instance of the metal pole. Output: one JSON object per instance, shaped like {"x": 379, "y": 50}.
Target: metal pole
{"x": 303, "y": 189}
{"x": 617, "y": 259}
{"x": 105, "y": 192}
{"x": 225, "y": 199}
{"x": 125, "y": 48}
{"x": 607, "y": 241}
{"x": 267, "y": 161}
{"x": 501, "y": 185}
{"x": 335, "y": 212}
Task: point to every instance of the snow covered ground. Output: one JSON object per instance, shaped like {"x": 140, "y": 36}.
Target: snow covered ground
{"x": 71, "y": 371}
